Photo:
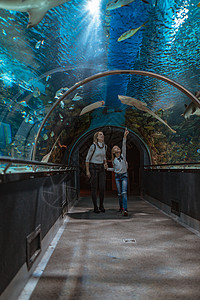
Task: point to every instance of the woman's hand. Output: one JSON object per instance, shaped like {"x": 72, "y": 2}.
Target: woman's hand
{"x": 105, "y": 166}
{"x": 88, "y": 174}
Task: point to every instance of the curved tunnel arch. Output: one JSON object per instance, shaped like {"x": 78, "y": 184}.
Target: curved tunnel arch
{"x": 140, "y": 144}
{"x": 108, "y": 73}
{"x": 138, "y": 154}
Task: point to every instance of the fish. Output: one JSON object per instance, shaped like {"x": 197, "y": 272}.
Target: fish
{"x": 36, "y": 92}
{"x": 26, "y": 119}
{"x": 130, "y": 33}
{"x": 190, "y": 110}
{"x": 48, "y": 77}
{"x": 149, "y": 127}
{"x": 45, "y": 136}
{"x": 158, "y": 134}
{"x": 23, "y": 103}
{"x": 76, "y": 97}
{"x": 62, "y": 104}
{"x": 91, "y": 107}
{"x": 38, "y": 44}
{"x": 120, "y": 3}
{"x": 198, "y": 5}
{"x": 60, "y": 92}
{"x": 36, "y": 9}
{"x": 142, "y": 106}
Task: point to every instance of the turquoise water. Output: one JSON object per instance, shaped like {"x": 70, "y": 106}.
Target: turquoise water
{"x": 70, "y": 44}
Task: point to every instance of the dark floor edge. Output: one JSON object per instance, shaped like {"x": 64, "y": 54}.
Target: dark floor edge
{"x": 15, "y": 287}
{"x": 188, "y": 222}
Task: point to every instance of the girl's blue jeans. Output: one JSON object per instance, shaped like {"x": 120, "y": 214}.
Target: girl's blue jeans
{"x": 122, "y": 185}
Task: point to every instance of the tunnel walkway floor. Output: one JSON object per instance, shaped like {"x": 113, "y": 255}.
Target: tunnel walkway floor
{"x": 146, "y": 255}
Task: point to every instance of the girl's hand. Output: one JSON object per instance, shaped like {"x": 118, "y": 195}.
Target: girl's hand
{"x": 126, "y": 132}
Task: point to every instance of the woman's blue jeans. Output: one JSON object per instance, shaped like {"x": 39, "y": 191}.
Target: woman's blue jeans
{"x": 122, "y": 185}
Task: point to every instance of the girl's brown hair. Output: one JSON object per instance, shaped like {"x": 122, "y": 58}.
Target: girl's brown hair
{"x": 113, "y": 154}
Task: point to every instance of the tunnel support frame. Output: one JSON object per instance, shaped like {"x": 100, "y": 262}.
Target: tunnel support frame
{"x": 108, "y": 73}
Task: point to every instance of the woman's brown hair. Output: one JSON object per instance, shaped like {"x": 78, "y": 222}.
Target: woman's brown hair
{"x": 95, "y": 137}
{"x": 95, "y": 140}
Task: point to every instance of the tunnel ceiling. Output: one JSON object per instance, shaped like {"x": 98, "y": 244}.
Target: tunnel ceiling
{"x": 78, "y": 39}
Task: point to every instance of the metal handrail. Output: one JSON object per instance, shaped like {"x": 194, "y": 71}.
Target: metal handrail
{"x": 7, "y": 159}
{"x": 10, "y": 160}
{"x": 174, "y": 164}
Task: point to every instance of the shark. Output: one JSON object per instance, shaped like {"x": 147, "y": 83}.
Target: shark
{"x": 91, "y": 107}
{"x": 143, "y": 107}
{"x": 36, "y": 9}
{"x": 191, "y": 110}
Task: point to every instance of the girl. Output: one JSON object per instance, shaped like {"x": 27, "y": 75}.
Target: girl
{"x": 120, "y": 167}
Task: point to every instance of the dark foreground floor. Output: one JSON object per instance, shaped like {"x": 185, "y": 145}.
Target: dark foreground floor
{"x": 144, "y": 256}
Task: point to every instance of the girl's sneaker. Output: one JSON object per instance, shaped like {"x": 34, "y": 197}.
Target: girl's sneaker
{"x": 125, "y": 212}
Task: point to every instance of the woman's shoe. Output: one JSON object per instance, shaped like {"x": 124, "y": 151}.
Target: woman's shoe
{"x": 102, "y": 209}
{"x": 96, "y": 210}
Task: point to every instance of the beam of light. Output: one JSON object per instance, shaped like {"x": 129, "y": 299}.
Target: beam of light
{"x": 93, "y": 29}
{"x": 93, "y": 7}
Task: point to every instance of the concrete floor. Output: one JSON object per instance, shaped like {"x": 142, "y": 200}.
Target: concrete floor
{"x": 144, "y": 256}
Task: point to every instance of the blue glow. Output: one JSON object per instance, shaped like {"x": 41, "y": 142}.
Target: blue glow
{"x": 7, "y": 79}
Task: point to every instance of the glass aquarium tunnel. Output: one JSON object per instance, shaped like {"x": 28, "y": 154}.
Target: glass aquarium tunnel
{"x": 62, "y": 77}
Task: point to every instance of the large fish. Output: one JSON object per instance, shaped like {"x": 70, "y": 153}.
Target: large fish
{"x": 91, "y": 107}
{"x": 198, "y": 4}
{"x": 129, "y": 33}
{"x": 35, "y": 8}
{"x": 120, "y": 3}
{"x": 142, "y": 106}
{"x": 190, "y": 110}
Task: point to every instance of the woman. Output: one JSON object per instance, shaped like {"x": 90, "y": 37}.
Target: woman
{"x": 95, "y": 163}
{"x": 120, "y": 167}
